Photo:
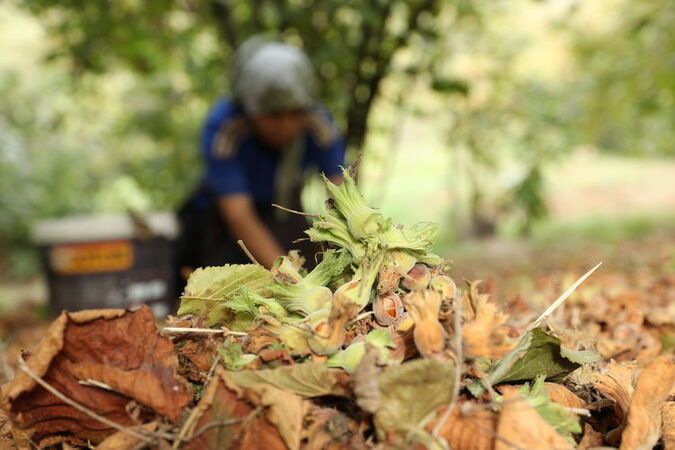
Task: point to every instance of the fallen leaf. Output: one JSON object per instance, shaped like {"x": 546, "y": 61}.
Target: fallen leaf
{"x": 521, "y": 426}
{"x": 537, "y": 353}
{"x": 196, "y": 355}
{"x": 652, "y": 389}
{"x": 310, "y": 379}
{"x": 329, "y": 429}
{"x": 410, "y": 392}
{"x": 470, "y": 430}
{"x": 563, "y": 396}
{"x": 225, "y": 419}
{"x": 124, "y": 440}
{"x": 615, "y": 382}
{"x": 283, "y": 409}
{"x": 590, "y": 438}
{"x": 120, "y": 349}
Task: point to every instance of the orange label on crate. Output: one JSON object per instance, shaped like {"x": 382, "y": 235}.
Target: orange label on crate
{"x": 75, "y": 259}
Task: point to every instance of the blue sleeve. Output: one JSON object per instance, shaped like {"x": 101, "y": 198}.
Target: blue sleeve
{"x": 224, "y": 173}
{"x": 332, "y": 159}
{"x": 327, "y": 145}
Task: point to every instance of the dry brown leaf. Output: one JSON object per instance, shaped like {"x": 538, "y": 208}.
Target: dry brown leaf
{"x": 560, "y": 394}
{"x": 474, "y": 430}
{"x": 284, "y": 409}
{"x": 590, "y": 439}
{"x": 485, "y": 334}
{"x": 119, "y": 348}
{"x": 644, "y": 415}
{"x": 126, "y": 441}
{"x": 196, "y": 354}
{"x": 615, "y": 382}
{"x": 668, "y": 425}
{"x": 521, "y": 426}
{"x": 225, "y": 419}
{"x": 329, "y": 429}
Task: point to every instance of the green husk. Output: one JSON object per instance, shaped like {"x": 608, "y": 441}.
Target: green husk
{"x": 332, "y": 228}
{"x": 362, "y": 220}
{"x": 310, "y": 294}
{"x": 359, "y": 290}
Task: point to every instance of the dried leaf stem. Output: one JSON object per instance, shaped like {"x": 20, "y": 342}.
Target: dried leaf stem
{"x": 293, "y": 211}
{"x": 248, "y": 253}
{"x": 559, "y": 301}
{"x": 188, "y": 330}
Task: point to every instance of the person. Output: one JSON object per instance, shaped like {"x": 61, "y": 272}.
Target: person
{"x": 258, "y": 147}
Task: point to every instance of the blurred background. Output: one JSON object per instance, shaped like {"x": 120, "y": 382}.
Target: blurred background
{"x": 529, "y": 130}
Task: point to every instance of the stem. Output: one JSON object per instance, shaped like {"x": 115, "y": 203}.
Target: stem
{"x": 559, "y": 301}
{"x": 248, "y": 253}
{"x": 187, "y": 330}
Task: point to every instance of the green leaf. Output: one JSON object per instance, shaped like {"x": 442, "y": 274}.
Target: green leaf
{"x": 312, "y": 379}
{"x": 580, "y": 356}
{"x": 537, "y": 353}
{"x": 209, "y": 289}
{"x": 557, "y": 415}
{"x": 543, "y": 356}
{"x": 234, "y": 358}
{"x": 410, "y": 392}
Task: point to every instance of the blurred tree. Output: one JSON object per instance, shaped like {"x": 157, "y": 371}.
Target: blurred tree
{"x": 624, "y": 94}
{"x": 351, "y": 43}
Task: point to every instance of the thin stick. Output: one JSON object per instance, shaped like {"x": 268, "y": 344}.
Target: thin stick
{"x": 96, "y": 383}
{"x": 293, "y": 211}
{"x": 559, "y": 301}
{"x": 459, "y": 356}
{"x": 27, "y": 370}
{"x": 360, "y": 317}
{"x": 188, "y": 330}
{"x": 248, "y": 253}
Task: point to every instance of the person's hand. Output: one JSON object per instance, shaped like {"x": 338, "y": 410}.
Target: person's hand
{"x": 240, "y": 215}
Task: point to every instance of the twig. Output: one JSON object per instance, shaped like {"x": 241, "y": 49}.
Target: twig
{"x": 459, "y": 356}
{"x": 220, "y": 423}
{"x": 360, "y": 317}
{"x": 293, "y": 211}
{"x": 248, "y": 253}
{"x": 28, "y": 371}
{"x": 188, "y": 330}
{"x": 96, "y": 383}
{"x": 559, "y": 301}
{"x": 579, "y": 411}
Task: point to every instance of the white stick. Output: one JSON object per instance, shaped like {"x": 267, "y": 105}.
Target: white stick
{"x": 559, "y": 301}
{"x": 187, "y": 330}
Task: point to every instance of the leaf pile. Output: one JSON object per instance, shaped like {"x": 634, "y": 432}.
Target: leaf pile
{"x": 376, "y": 347}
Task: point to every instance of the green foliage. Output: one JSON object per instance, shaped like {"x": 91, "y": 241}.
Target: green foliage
{"x": 625, "y": 95}
{"x": 209, "y": 290}
{"x": 564, "y": 421}
{"x": 537, "y": 353}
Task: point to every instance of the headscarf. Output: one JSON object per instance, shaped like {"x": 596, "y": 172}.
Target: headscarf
{"x": 271, "y": 76}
